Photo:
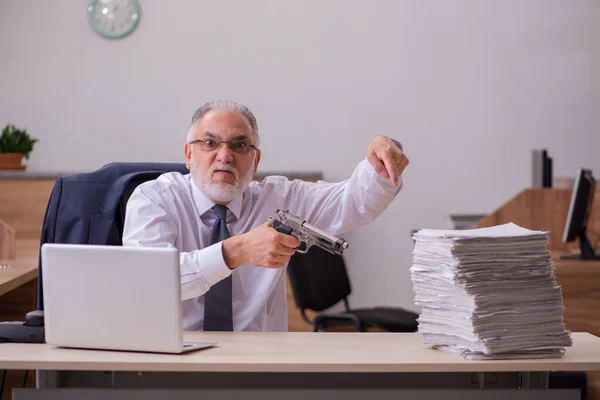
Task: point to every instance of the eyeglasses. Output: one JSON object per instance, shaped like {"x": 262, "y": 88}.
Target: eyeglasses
{"x": 242, "y": 146}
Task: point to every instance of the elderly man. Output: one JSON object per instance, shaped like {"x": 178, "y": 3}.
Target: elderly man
{"x": 232, "y": 260}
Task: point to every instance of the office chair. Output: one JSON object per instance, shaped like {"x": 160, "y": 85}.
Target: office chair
{"x": 319, "y": 280}
{"x": 89, "y": 208}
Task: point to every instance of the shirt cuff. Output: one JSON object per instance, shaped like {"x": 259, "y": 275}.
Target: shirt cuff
{"x": 214, "y": 268}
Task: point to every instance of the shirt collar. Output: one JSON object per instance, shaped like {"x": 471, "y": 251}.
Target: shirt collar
{"x": 204, "y": 203}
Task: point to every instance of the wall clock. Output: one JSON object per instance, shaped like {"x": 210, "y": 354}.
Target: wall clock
{"x": 113, "y": 19}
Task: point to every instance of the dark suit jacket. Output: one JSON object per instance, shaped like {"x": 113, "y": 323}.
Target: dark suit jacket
{"x": 89, "y": 208}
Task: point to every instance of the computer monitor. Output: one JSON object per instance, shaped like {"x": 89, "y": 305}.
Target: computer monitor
{"x": 541, "y": 169}
{"x": 579, "y": 213}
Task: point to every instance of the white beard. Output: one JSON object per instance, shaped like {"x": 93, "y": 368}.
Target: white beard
{"x": 223, "y": 192}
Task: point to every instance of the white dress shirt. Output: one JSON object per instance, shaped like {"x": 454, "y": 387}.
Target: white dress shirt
{"x": 172, "y": 212}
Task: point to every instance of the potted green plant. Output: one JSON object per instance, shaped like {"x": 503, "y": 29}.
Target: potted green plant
{"x": 14, "y": 145}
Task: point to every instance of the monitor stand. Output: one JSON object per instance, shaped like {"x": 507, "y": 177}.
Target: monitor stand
{"x": 587, "y": 250}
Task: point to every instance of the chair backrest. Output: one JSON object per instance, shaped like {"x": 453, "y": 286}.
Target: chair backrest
{"x": 319, "y": 279}
{"x": 116, "y": 235}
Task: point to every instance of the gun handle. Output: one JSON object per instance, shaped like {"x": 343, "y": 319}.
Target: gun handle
{"x": 282, "y": 228}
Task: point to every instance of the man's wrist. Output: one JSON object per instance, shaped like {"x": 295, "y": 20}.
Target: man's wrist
{"x": 233, "y": 253}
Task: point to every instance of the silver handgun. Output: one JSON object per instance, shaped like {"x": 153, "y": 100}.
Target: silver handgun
{"x": 308, "y": 234}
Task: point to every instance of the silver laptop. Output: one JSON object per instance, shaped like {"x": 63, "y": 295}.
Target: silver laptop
{"x": 113, "y": 298}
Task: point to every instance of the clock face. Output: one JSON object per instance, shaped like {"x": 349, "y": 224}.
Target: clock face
{"x": 113, "y": 18}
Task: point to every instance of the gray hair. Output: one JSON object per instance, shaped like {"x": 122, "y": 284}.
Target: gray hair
{"x": 223, "y": 105}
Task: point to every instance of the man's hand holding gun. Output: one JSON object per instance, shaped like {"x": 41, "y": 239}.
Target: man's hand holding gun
{"x": 272, "y": 244}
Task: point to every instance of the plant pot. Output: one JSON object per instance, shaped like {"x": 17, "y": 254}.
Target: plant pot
{"x": 11, "y": 161}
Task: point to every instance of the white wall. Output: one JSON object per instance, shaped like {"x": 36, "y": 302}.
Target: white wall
{"x": 469, "y": 86}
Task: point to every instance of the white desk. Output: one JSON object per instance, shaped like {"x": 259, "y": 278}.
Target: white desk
{"x": 292, "y": 364}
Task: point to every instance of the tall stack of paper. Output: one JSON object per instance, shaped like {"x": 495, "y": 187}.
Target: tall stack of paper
{"x": 488, "y": 293}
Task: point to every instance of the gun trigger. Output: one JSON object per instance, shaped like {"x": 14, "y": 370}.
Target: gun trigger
{"x": 302, "y": 248}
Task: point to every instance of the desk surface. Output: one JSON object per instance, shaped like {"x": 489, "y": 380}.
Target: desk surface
{"x": 294, "y": 352}
{"x": 22, "y": 269}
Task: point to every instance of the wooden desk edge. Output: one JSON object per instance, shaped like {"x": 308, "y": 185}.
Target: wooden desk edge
{"x": 26, "y": 263}
{"x": 48, "y": 357}
{"x": 298, "y": 368}
{"x": 18, "y": 281}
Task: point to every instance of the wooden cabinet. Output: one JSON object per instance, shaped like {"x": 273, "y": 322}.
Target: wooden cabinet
{"x": 547, "y": 209}
{"x": 22, "y": 207}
